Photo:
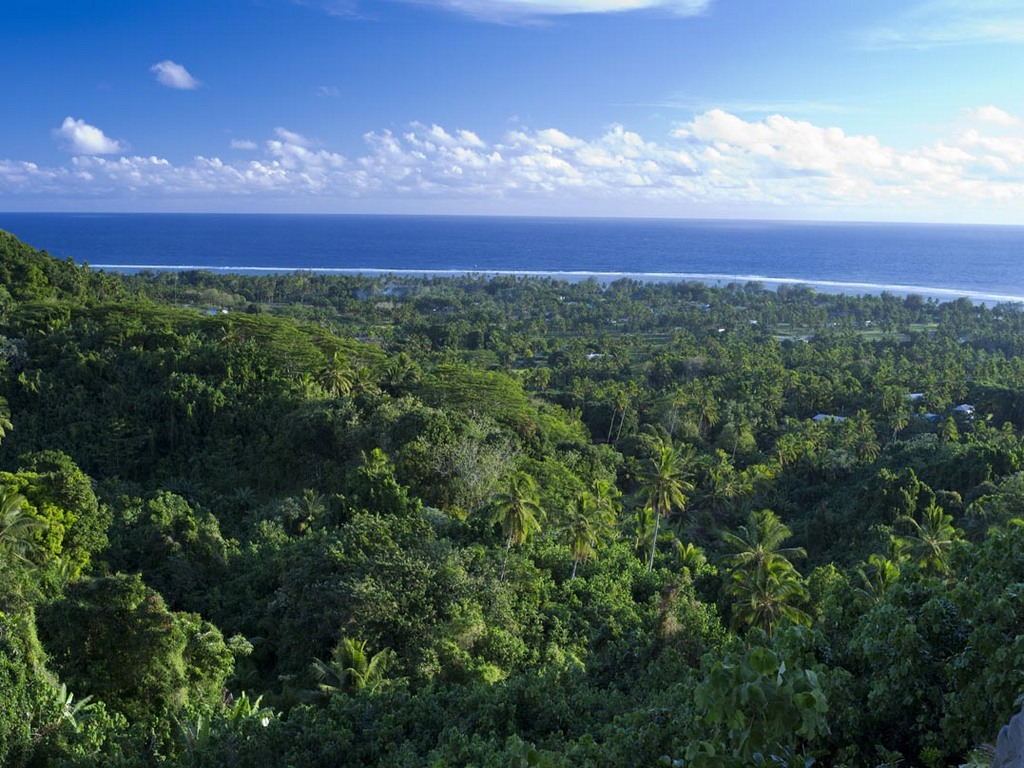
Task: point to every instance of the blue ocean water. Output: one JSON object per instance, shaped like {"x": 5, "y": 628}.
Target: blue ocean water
{"x": 945, "y": 261}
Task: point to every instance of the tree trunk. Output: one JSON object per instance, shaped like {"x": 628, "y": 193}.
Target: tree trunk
{"x": 654, "y": 541}
{"x": 504, "y": 563}
{"x": 575, "y": 563}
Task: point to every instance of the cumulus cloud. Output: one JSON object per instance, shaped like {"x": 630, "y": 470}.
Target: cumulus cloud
{"x": 243, "y": 144}
{"x": 782, "y": 147}
{"x": 716, "y": 160}
{"x": 174, "y": 76}
{"x": 993, "y": 114}
{"x": 79, "y": 137}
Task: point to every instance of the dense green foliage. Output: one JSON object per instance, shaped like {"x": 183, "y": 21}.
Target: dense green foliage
{"x": 298, "y": 520}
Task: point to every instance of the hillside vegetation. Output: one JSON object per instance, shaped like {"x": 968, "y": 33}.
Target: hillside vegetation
{"x": 298, "y": 520}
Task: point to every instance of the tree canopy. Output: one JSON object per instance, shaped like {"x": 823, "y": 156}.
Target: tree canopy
{"x": 408, "y": 521}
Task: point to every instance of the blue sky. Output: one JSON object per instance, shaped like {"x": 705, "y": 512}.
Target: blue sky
{"x": 793, "y": 109}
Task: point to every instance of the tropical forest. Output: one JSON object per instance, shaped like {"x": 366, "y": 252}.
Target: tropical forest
{"x": 306, "y": 520}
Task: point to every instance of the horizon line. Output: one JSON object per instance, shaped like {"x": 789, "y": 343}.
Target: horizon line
{"x": 527, "y": 216}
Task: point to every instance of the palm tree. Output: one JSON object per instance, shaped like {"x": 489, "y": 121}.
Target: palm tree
{"x": 589, "y": 522}
{"x": 789, "y": 448}
{"x": 244, "y": 497}
{"x": 312, "y": 503}
{"x": 578, "y": 532}
{"x": 691, "y": 557}
{"x": 929, "y": 541}
{"x": 335, "y": 377}
{"x": 758, "y": 542}
{"x": 899, "y": 421}
{"x": 518, "y": 511}
{"x": 400, "y": 373}
{"x": 620, "y": 402}
{"x": 665, "y": 486}
{"x": 607, "y": 499}
{"x": 866, "y": 440}
{"x": 352, "y": 669}
{"x": 879, "y": 575}
{"x": 641, "y": 528}
{"x": 948, "y": 433}
{"x": 707, "y": 410}
{"x": 764, "y": 597}
{"x": 725, "y": 486}
{"x": 892, "y": 397}
{"x": 16, "y": 526}
{"x": 764, "y": 582}
{"x": 675, "y": 401}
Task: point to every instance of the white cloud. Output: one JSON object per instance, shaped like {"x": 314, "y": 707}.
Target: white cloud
{"x": 83, "y": 139}
{"x": 681, "y": 7}
{"x": 291, "y": 137}
{"x": 781, "y": 146}
{"x": 333, "y": 7}
{"x": 993, "y": 114}
{"x": 174, "y": 76}
{"x": 327, "y": 91}
{"x": 513, "y": 10}
{"x": 521, "y": 10}
{"x": 717, "y": 161}
{"x": 558, "y": 140}
{"x": 935, "y": 23}
{"x": 243, "y": 144}
{"x": 314, "y": 166}
{"x": 690, "y": 104}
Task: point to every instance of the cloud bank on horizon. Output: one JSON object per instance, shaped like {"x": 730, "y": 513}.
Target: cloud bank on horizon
{"x": 723, "y": 108}
{"x": 504, "y": 10}
{"x": 776, "y": 164}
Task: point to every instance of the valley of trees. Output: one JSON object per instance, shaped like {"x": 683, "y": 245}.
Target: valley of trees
{"x": 306, "y": 520}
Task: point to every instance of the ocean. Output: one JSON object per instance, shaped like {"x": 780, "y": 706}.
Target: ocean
{"x": 983, "y": 263}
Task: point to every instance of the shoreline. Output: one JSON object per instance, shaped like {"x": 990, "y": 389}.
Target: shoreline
{"x": 852, "y": 288}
